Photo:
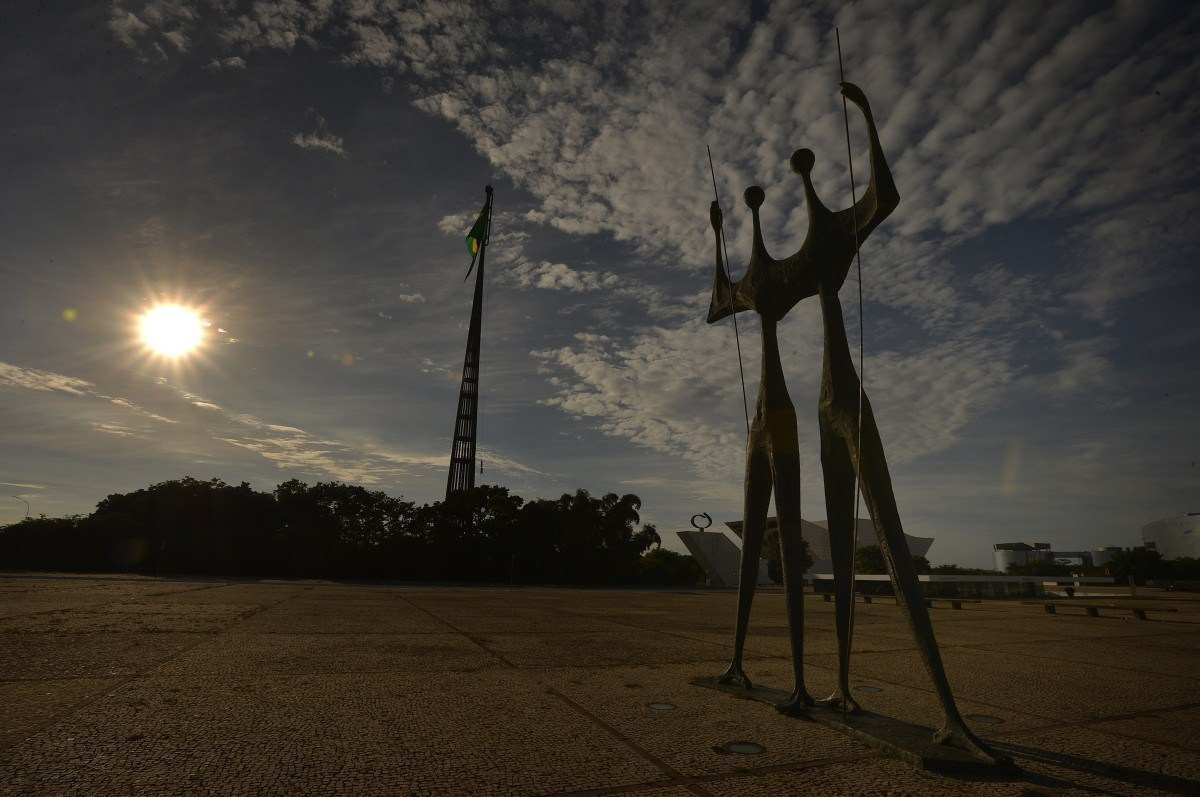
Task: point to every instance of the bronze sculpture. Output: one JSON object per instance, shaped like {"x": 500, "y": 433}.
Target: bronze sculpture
{"x": 771, "y": 288}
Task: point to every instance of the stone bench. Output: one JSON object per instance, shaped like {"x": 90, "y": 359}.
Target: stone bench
{"x": 955, "y": 603}
{"x": 1094, "y": 611}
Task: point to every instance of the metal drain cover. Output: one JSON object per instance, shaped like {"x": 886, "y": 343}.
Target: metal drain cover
{"x": 983, "y": 719}
{"x": 741, "y": 748}
{"x": 661, "y": 706}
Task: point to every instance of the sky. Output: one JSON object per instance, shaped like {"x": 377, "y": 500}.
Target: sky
{"x": 303, "y": 173}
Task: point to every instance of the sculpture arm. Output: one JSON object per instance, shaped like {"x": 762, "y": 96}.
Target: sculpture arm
{"x": 721, "y": 303}
{"x": 881, "y": 196}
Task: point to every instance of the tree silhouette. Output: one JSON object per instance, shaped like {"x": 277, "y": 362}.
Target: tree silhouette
{"x": 335, "y": 530}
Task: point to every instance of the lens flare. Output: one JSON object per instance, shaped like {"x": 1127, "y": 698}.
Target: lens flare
{"x": 171, "y": 330}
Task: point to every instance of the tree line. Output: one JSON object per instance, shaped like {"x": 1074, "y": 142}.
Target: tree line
{"x": 335, "y": 530}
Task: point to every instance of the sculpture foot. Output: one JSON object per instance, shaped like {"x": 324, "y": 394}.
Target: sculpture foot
{"x": 735, "y": 676}
{"x": 795, "y": 705}
{"x": 841, "y": 701}
{"x": 959, "y": 736}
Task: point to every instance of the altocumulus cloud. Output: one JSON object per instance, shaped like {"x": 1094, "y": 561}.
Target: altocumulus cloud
{"x": 1015, "y": 114}
{"x": 320, "y": 139}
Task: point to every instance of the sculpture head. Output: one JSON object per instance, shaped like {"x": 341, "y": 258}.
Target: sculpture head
{"x": 803, "y": 161}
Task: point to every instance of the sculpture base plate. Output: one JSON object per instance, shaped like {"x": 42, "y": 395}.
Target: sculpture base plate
{"x": 893, "y": 737}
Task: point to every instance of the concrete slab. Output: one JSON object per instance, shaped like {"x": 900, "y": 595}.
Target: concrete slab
{"x": 153, "y": 617}
{"x": 617, "y": 648}
{"x": 244, "y": 654}
{"x": 311, "y": 615}
{"x": 332, "y": 734}
{"x": 109, "y": 655}
{"x": 181, "y": 687}
{"x": 633, "y": 700}
{"x": 1065, "y": 691}
{"x": 29, "y": 705}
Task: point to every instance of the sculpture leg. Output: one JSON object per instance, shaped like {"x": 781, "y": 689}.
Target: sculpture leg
{"x": 880, "y": 499}
{"x": 754, "y": 526}
{"x": 786, "y": 470}
{"x": 838, "y": 471}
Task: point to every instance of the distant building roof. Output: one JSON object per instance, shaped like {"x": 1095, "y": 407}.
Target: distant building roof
{"x": 1012, "y": 546}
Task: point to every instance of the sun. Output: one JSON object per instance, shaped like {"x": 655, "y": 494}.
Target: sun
{"x": 171, "y": 330}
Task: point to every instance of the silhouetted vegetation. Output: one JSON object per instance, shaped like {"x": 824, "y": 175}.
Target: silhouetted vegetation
{"x": 1183, "y": 569}
{"x": 869, "y": 561}
{"x": 1140, "y": 564}
{"x": 1144, "y": 564}
{"x": 774, "y": 556}
{"x": 333, "y": 530}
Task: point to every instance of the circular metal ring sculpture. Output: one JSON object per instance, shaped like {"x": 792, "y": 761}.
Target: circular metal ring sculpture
{"x": 697, "y": 526}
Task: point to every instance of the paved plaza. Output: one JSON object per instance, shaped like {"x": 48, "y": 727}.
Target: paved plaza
{"x": 141, "y": 686}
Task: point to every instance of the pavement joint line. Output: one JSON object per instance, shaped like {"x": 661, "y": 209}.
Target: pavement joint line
{"x": 1055, "y": 723}
{"x": 967, "y": 694}
{"x": 981, "y": 648}
{"x": 121, "y": 682}
{"x": 1146, "y": 779}
{"x": 468, "y": 636}
{"x": 258, "y": 675}
{"x": 676, "y": 777}
{"x": 185, "y": 591}
{"x": 1089, "y": 723}
{"x": 96, "y": 604}
{"x": 758, "y": 650}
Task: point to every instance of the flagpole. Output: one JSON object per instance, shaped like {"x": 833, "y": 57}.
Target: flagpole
{"x": 461, "y": 475}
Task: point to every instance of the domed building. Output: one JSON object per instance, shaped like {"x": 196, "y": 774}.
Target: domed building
{"x": 1174, "y": 537}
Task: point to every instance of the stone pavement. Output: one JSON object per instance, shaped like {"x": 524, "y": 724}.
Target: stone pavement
{"x": 143, "y": 686}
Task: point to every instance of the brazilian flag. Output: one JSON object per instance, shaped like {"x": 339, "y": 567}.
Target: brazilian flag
{"x": 477, "y": 237}
{"x": 478, "y": 233}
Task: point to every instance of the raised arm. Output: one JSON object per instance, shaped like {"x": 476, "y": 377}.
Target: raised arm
{"x": 881, "y": 196}
{"x": 721, "y": 303}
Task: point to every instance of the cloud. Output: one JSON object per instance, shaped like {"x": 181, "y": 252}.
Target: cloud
{"x": 1084, "y": 367}
{"x": 676, "y": 390}
{"x": 234, "y": 62}
{"x": 1118, "y": 253}
{"x": 126, "y": 26}
{"x": 178, "y": 40}
{"x": 292, "y": 448}
{"x": 411, "y": 298}
{"x": 596, "y": 115}
{"x": 129, "y": 405}
{"x": 154, "y": 22}
{"x": 1079, "y": 117}
{"x": 320, "y": 138}
{"x": 34, "y": 379}
{"x": 559, "y": 277}
{"x": 116, "y": 429}
{"x": 320, "y": 141}
{"x": 286, "y": 446}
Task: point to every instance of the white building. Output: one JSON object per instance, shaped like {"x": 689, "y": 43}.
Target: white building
{"x": 720, "y": 557}
{"x": 1174, "y": 537}
{"x": 1005, "y": 554}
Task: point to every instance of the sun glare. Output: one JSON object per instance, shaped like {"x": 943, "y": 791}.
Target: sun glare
{"x": 171, "y": 330}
